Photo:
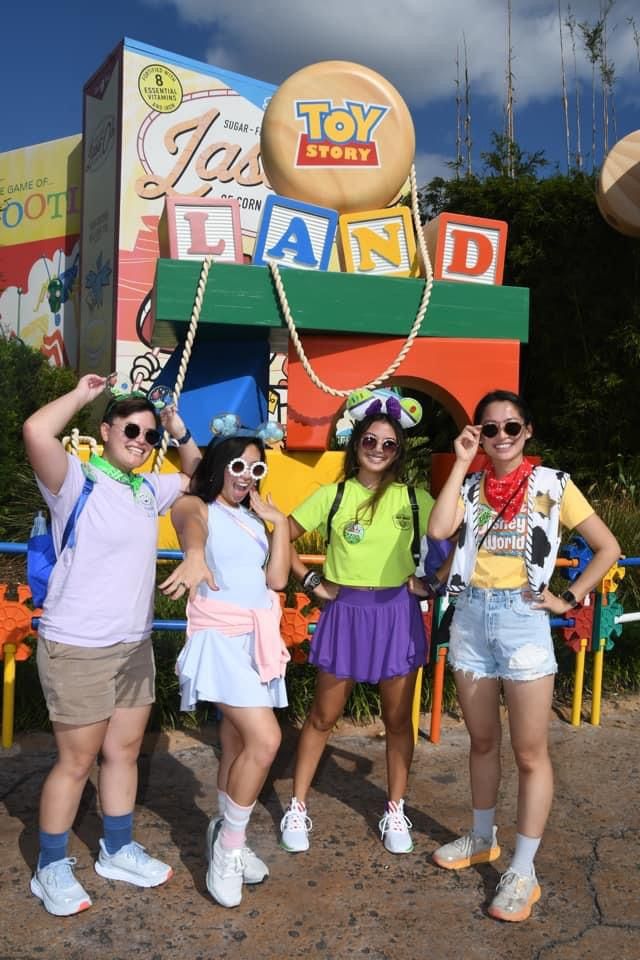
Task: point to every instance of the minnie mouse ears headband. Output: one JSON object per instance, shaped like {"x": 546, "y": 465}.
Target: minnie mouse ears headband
{"x": 226, "y": 425}
{"x": 365, "y": 403}
{"x": 158, "y": 395}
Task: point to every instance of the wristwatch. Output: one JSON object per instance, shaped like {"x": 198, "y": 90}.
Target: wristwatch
{"x": 185, "y": 439}
{"x": 311, "y": 580}
{"x": 570, "y": 598}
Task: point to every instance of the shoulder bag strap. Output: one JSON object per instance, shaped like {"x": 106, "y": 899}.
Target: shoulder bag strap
{"x": 415, "y": 544}
{"x": 337, "y": 500}
{"x": 68, "y": 537}
{"x": 498, "y": 515}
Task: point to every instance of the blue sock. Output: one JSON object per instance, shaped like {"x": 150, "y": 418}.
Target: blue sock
{"x": 53, "y": 846}
{"x": 118, "y": 831}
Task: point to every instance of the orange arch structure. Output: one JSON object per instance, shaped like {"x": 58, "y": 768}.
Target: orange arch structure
{"x": 456, "y": 372}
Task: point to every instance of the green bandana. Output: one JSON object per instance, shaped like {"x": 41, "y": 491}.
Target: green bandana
{"x": 133, "y": 480}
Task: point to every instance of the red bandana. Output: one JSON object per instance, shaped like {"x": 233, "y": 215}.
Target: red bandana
{"x": 509, "y": 489}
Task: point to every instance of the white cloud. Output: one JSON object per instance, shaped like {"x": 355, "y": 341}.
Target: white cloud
{"x": 411, "y": 42}
{"x": 430, "y": 165}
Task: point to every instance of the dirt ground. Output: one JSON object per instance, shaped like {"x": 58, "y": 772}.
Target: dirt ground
{"x": 347, "y": 897}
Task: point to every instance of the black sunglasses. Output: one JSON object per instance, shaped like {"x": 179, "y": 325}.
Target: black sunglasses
{"x": 370, "y": 442}
{"x": 132, "y": 430}
{"x": 512, "y": 428}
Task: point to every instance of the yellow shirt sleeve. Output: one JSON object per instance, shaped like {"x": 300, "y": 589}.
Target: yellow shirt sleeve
{"x": 574, "y": 507}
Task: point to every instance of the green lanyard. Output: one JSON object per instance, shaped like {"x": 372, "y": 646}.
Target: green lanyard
{"x": 132, "y": 480}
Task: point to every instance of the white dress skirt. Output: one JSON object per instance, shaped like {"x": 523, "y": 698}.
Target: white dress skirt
{"x": 215, "y": 667}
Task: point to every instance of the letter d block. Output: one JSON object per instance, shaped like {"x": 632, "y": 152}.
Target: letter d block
{"x": 192, "y": 228}
{"x": 295, "y": 234}
{"x": 378, "y": 242}
{"x": 468, "y": 249}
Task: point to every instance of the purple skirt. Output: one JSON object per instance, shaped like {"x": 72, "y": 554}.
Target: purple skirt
{"x": 370, "y": 635}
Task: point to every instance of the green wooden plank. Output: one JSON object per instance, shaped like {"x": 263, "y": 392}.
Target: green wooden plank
{"x": 242, "y": 295}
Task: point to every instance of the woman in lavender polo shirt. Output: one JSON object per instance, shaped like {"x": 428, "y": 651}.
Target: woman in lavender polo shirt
{"x": 95, "y": 659}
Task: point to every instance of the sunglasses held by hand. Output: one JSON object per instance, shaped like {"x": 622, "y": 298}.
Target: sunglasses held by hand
{"x": 512, "y": 428}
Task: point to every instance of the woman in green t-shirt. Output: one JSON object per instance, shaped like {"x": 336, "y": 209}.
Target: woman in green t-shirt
{"x": 371, "y": 628}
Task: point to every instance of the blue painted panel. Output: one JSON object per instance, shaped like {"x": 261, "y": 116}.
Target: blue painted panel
{"x": 223, "y": 376}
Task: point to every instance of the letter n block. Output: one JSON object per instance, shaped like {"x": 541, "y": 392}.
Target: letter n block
{"x": 378, "y": 242}
{"x": 468, "y": 249}
{"x": 295, "y": 234}
{"x": 192, "y": 228}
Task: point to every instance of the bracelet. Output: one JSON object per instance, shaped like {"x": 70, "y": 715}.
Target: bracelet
{"x": 185, "y": 439}
{"x": 311, "y": 580}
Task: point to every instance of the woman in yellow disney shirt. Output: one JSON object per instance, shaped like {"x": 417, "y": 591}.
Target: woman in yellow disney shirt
{"x": 509, "y": 518}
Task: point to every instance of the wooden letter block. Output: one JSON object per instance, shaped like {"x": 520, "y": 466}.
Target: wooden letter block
{"x": 468, "y": 249}
{"x": 195, "y": 227}
{"x": 378, "y": 242}
{"x": 295, "y": 234}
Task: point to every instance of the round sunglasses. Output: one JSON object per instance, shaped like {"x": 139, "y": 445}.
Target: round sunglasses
{"x": 237, "y": 467}
{"x": 512, "y": 428}
{"x": 132, "y": 431}
{"x": 370, "y": 442}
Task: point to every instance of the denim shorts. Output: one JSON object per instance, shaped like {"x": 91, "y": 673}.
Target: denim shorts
{"x": 497, "y": 633}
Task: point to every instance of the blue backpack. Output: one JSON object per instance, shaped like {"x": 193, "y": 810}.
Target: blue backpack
{"x": 41, "y": 552}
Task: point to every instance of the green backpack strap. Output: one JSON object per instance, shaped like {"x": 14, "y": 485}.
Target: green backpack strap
{"x": 337, "y": 500}
{"x": 415, "y": 543}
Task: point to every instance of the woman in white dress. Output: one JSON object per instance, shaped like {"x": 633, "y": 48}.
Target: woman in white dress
{"x": 234, "y": 655}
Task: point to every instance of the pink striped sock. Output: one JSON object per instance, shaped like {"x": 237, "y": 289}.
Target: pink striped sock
{"x": 234, "y": 826}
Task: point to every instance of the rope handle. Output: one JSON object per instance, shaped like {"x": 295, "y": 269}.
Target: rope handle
{"x": 186, "y": 352}
{"x": 413, "y": 333}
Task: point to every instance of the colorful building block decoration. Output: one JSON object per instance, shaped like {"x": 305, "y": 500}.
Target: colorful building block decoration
{"x": 468, "y": 249}
{"x": 378, "y": 242}
{"x": 339, "y": 134}
{"x": 194, "y": 227}
{"x": 295, "y": 234}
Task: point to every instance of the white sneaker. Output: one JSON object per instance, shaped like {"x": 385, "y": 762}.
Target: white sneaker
{"x": 295, "y": 828}
{"x": 394, "y": 828}
{"x": 224, "y": 876}
{"x": 59, "y": 890}
{"x": 132, "y": 864}
{"x": 467, "y": 850}
{"x": 255, "y": 870}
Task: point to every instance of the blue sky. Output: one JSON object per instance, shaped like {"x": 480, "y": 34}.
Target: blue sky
{"x": 414, "y": 43}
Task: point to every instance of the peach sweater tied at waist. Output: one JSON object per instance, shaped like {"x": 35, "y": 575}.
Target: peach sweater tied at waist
{"x": 270, "y": 654}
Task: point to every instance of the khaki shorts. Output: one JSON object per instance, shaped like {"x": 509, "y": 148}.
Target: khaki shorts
{"x": 84, "y": 685}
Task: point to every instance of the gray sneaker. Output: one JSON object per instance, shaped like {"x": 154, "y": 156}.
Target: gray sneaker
{"x": 515, "y": 895}
{"x": 132, "y": 864}
{"x": 59, "y": 890}
{"x": 255, "y": 870}
{"x": 467, "y": 850}
{"x": 224, "y": 876}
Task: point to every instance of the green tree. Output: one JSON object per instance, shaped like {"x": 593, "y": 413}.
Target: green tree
{"x": 27, "y": 382}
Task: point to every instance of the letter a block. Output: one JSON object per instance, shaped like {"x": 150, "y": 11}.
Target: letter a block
{"x": 193, "y": 228}
{"x": 378, "y": 242}
{"x": 468, "y": 249}
{"x": 295, "y": 234}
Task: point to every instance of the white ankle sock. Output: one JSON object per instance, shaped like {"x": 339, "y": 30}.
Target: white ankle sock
{"x": 483, "y": 822}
